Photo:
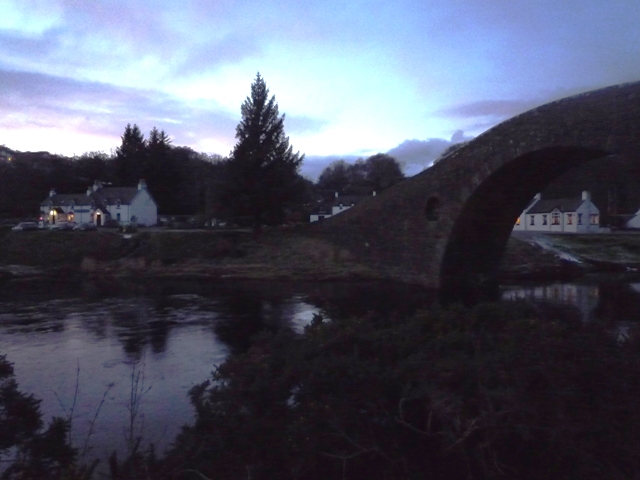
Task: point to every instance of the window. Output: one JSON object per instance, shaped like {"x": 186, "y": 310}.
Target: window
{"x": 532, "y": 220}
{"x": 518, "y": 221}
{"x": 579, "y": 219}
{"x": 569, "y": 218}
{"x": 118, "y": 216}
{"x": 555, "y": 218}
{"x": 544, "y": 219}
{"x": 594, "y": 219}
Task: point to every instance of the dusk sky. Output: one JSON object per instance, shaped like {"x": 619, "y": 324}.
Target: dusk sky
{"x": 353, "y": 77}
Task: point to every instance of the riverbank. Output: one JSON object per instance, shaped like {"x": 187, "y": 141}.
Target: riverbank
{"x": 285, "y": 254}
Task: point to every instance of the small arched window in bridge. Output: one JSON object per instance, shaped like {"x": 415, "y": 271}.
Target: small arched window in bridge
{"x": 432, "y": 210}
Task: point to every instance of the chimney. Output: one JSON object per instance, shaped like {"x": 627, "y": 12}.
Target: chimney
{"x": 374, "y": 193}
{"x": 142, "y": 184}
{"x": 538, "y": 196}
{"x": 586, "y": 195}
{"x": 336, "y": 194}
{"x": 52, "y": 192}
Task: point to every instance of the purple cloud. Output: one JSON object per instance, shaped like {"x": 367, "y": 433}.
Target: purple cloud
{"x": 96, "y": 108}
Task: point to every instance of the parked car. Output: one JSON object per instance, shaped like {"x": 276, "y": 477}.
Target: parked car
{"x": 22, "y": 226}
{"x": 63, "y": 226}
{"x": 85, "y": 226}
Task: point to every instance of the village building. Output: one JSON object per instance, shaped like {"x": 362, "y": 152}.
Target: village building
{"x": 569, "y": 215}
{"x": 100, "y": 204}
{"x": 339, "y": 205}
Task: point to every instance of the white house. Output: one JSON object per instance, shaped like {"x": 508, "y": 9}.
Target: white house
{"x": 572, "y": 215}
{"x": 100, "y": 204}
{"x": 634, "y": 222}
{"x": 339, "y": 205}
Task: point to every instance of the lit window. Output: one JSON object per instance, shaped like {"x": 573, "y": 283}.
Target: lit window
{"x": 569, "y": 218}
{"x": 518, "y": 221}
{"x": 594, "y": 219}
{"x": 555, "y": 218}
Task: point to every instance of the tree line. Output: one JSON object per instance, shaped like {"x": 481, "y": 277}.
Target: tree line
{"x": 258, "y": 183}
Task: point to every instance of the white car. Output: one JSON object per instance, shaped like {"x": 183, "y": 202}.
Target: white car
{"x": 85, "y": 226}
{"x": 63, "y": 226}
{"x": 23, "y": 226}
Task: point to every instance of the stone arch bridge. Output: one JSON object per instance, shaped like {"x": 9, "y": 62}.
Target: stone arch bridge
{"x": 447, "y": 227}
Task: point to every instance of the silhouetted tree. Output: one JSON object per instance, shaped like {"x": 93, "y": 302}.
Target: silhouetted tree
{"x": 335, "y": 177}
{"x": 262, "y": 173}
{"x": 130, "y": 156}
{"x": 382, "y": 171}
{"x": 160, "y": 170}
{"x": 377, "y": 172}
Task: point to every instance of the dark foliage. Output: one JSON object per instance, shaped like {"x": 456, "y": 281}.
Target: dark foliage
{"x": 262, "y": 172}
{"x": 492, "y": 392}
{"x": 376, "y": 173}
{"x": 26, "y": 449}
{"x": 130, "y": 160}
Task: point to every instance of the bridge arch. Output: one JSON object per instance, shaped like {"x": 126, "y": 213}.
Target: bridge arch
{"x": 482, "y": 187}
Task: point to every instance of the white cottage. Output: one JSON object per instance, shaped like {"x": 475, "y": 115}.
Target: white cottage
{"x": 339, "y": 205}
{"x": 99, "y": 204}
{"x": 571, "y": 215}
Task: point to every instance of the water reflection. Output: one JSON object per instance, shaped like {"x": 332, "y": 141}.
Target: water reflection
{"x": 611, "y": 301}
{"x": 177, "y": 331}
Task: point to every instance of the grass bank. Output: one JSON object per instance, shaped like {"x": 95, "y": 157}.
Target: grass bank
{"x": 279, "y": 254}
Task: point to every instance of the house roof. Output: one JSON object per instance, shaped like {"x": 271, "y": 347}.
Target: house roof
{"x": 562, "y": 204}
{"x": 106, "y": 196}
{"x": 67, "y": 199}
{"x": 111, "y": 195}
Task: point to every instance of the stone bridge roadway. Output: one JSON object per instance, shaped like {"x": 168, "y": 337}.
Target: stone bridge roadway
{"x": 447, "y": 227}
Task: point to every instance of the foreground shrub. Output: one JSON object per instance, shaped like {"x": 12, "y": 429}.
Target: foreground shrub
{"x": 492, "y": 392}
{"x": 28, "y": 450}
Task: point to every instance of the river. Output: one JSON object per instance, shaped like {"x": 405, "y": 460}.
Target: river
{"x": 86, "y": 348}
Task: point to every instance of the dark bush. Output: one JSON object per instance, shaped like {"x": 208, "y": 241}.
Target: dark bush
{"x": 493, "y": 392}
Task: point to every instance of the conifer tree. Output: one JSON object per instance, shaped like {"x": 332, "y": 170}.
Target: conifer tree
{"x": 130, "y": 156}
{"x": 160, "y": 170}
{"x": 262, "y": 172}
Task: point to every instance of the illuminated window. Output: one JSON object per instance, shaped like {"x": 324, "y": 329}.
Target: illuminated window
{"x": 518, "y": 221}
{"x": 569, "y": 218}
{"x": 555, "y": 218}
{"x": 594, "y": 219}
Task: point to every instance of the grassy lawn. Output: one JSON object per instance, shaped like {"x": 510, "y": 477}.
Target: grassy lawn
{"x": 616, "y": 247}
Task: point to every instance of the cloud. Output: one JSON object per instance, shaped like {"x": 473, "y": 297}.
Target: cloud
{"x": 414, "y": 155}
{"x": 302, "y": 125}
{"x": 39, "y": 100}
